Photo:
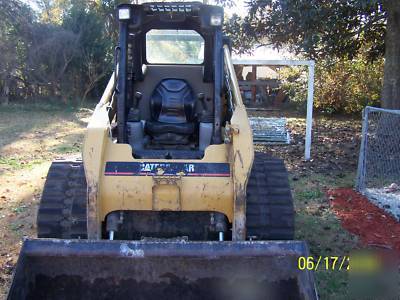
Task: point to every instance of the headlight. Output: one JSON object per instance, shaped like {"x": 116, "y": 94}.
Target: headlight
{"x": 124, "y": 14}
{"x": 216, "y": 20}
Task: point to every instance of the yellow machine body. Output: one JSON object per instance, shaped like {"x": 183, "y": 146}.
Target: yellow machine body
{"x": 173, "y": 193}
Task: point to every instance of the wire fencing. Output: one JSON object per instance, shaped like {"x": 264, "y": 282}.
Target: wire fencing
{"x": 378, "y": 175}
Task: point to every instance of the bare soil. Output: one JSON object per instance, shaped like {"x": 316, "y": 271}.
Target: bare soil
{"x": 334, "y": 149}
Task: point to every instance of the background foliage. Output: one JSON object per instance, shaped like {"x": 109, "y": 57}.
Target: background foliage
{"x": 341, "y": 85}
{"x": 347, "y": 86}
{"x": 63, "y": 50}
{"x": 315, "y": 28}
{"x": 345, "y": 38}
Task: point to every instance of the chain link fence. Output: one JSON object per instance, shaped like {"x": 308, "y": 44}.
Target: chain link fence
{"x": 378, "y": 175}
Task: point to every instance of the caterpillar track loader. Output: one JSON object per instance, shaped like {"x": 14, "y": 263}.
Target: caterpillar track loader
{"x": 170, "y": 200}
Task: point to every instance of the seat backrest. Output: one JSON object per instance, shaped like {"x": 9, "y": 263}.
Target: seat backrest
{"x": 154, "y": 74}
{"x": 172, "y": 102}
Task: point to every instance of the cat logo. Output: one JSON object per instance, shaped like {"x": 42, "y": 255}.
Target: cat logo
{"x": 149, "y": 167}
{"x": 167, "y": 169}
{"x": 146, "y": 168}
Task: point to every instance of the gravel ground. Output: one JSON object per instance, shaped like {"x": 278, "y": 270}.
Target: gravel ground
{"x": 390, "y": 202}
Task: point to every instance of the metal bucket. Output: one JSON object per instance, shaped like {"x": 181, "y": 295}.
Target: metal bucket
{"x": 85, "y": 269}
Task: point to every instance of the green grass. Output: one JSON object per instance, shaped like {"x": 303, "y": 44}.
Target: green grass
{"x": 19, "y": 209}
{"x": 16, "y": 226}
{"x": 309, "y": 194}
{"x": 344, "y": 180}
{"x": 18, "y": 164}
{"x": 332, "y": 284}
{"x": 43, "y": 106}
{"x": 318, "y": 226}
{"x": 65, "y": 149}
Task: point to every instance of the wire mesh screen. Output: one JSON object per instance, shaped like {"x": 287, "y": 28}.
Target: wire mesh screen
{"x": 269, "y": 130}
{"x": 379, "y": 162}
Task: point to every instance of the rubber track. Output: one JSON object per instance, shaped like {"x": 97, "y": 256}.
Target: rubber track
{"x": 62, "y": 209}
{"x": 269, "y": 206}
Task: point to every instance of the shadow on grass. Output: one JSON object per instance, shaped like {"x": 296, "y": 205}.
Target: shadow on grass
{"x": 72, "y": 144}
{"x": 36, "y": 122}
{"x": 15, "y": 120}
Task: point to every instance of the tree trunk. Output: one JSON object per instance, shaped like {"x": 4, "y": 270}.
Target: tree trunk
{"x": 391, "y": 79}
{"x": 90, "y": 86}
{"x": 6, "y": 93}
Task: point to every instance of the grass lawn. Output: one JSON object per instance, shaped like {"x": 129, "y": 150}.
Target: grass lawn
{"x": 31, "y": 136}
{"x": 317, "y": 224}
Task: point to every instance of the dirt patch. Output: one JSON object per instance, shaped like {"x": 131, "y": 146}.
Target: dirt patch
{"x": 29, "y": 139}
{"x": 334, "y": 149}
{"x": 361, "y": 217}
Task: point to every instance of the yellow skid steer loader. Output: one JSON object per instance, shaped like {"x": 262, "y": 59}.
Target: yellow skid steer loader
{"x": 170, "y": 200}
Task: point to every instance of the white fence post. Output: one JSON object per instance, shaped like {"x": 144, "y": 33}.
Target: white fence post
{"x": 310, "y": 89}
{"x": 360, "y": 183}
{"x": 310, "y": 101}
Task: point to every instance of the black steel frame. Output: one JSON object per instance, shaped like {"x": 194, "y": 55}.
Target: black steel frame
{"x": 142, "y": 19}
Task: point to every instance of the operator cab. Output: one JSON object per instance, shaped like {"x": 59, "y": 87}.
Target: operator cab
{"x": 169, "y": 79}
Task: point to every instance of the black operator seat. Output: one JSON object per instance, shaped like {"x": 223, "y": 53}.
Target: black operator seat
{"x": 172, "y": 108}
